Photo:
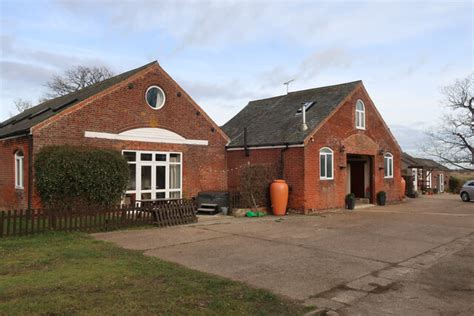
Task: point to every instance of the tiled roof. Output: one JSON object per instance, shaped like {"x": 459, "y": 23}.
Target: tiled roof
{"x": 275, "y": 121}
{"x": 21, "y": 123}
{"x": 413, "y": 162}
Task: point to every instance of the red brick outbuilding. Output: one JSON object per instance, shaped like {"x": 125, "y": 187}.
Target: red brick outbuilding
{"x": 326, "y": 142}
{"x": 426, "y": 174}
{"x": 339, "y": 145}
{"x": 173, "y": 147}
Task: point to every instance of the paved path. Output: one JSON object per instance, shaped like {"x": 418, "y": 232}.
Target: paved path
{"x": 412, "y": 258}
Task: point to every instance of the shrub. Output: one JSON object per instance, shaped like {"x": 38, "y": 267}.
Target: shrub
{"x": 350, "y": 201}
{"x": 68, "y": 177}
{"x": 455, "y": 184}
{"x": 350, "y": 196}
{"x": 410, "y": 188}
{"x": 254, "y": 187}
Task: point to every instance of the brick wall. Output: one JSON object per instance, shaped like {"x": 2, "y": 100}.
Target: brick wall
{"x": 10, "y": 197}
{"x": 339, "y": 130}
{"x": 435, "y": 179}
{"x": 124, "y": 107}
{"x": 292, "y": 168}
{"x": 308, "y": 192}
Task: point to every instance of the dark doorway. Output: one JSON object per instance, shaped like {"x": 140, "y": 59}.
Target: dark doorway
{"x": 358, "y": 178}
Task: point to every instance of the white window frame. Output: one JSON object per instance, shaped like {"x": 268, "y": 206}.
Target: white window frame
{"x": 414, "y": 173}
{"x": 360, "y": 115}
{"x": 326, "y": 154}
{"x": 19, "y": 178}
{"x": 154, "y": 163}
{"x": 164, "y": 97}
{"x": 441, "y": 183}
{"x": 388, "y": 167}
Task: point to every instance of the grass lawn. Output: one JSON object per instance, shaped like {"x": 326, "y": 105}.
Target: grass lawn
{"x": 59, "y": 273}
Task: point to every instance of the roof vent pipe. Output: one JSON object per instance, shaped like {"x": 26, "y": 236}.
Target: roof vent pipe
{"x": 304, "y": 126}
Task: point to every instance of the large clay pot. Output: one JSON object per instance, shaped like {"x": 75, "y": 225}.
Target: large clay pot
{"x": 279, "y": 197}
{"x": 404, "y": 186}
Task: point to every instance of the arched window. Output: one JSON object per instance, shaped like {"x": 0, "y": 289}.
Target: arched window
{"x": 360, "y": 115}
{"x": 19, "y": 170}
{"x": 388, "y": 165}
{"x": 326, "y": 164}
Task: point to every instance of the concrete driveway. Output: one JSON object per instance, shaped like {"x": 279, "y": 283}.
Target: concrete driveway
{"x": 412, "y": 258}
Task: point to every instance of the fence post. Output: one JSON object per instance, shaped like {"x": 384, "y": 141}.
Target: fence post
{"x": 2, "y": 223}
{"x": 14, "y": 221}
{"x": 52, "y": 220}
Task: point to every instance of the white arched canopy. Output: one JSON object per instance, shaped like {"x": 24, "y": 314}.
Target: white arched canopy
{"x": 148, "y": 134}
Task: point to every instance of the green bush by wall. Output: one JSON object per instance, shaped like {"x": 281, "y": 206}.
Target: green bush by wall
{"x": 455, "y": 184}
{"x": 410, "y": 188}
{"x": 68, "y": 177}
{"x": 254, "y": 185}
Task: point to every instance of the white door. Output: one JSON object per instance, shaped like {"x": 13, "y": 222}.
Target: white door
{"x": 414, "y": 173}
{"x": 441, "y": 183}
{"x": 154, "y": 175}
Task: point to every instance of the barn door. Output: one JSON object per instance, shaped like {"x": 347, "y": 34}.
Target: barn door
{"x": 357, "y": 178}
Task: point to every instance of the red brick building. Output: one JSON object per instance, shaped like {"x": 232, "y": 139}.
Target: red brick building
{"x": 426, "y": 174}
{"x": 326, "y": 142}
{"x": 173, "y": 148}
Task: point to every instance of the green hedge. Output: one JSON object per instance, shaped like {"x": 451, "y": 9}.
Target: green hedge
{"x": 410, "y": 188}
{"x": 70, "y": 176}
{"x": 456, "y": 183}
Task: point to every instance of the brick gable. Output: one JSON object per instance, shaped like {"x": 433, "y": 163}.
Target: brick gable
{"x": 123, "y": 107}
{"x": 339, "y": 130}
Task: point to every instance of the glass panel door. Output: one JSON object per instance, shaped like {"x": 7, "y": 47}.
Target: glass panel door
{"x": 153, "y": 175}
{"x": 146, "y": 178}
{"x": 175, "y": 176}
{"x": 146, "y": 183}
{"x": 160, "y": 185}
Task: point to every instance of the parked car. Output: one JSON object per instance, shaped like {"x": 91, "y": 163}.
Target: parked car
{"x": 467, "y": 191}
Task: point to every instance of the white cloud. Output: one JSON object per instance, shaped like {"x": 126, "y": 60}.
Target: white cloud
{"x": 214, "y": 24}
{"x": 318, "y": 43}
{"x": 411, "y": 137}
{"x": 323, "y": 60}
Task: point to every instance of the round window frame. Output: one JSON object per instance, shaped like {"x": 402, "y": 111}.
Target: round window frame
{"x": 164, "y": 97}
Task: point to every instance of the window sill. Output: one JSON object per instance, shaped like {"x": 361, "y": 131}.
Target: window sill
{"x": 19, "y": 188}
{"x": 326, "y": 179}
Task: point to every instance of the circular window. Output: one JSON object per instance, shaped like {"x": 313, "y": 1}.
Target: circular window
{"x": 155, "y": 97}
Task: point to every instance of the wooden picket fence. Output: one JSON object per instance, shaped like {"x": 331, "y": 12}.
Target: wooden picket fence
{"x": 161, "y": 213}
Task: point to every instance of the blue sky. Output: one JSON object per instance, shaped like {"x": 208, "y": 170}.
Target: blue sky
{"x": 226, "y": 53}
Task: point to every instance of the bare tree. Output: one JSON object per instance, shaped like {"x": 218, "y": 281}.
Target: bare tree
{"x": 452, "y": 142}
{"x": 75, "y": 79}
{"x": 72, "y": 80}
{"x": 22, "y": 105}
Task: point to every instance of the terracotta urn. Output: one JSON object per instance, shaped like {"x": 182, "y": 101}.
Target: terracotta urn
{"x": 404, "y": 185}
{"x": 279, "y": 197}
